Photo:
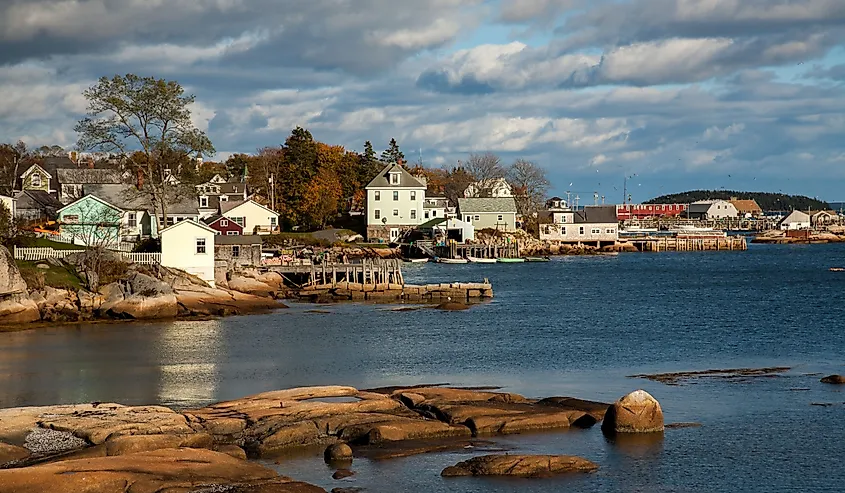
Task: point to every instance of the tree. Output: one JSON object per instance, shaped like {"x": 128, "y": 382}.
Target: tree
{"x": 455, "y": 182}
{"x": 298, "y": 166}
{"x": 529, "y": 185}
{"x": 369, "y": 165}
{"x": 487, "y": 172}
{"x": 12, "y": 156}
{"x": 322, "y": 197}
{"x": 237, "y": 164}
{"x": 151, "y": 116}
{"x": 392, "y": 154}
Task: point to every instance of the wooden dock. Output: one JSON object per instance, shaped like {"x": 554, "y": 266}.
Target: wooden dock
{"x": 672, "y": 244}
{"x": 367, "y": 271}
{"x": 479, "y": 251}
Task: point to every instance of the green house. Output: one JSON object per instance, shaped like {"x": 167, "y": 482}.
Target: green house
{"x": 91, "y": 221}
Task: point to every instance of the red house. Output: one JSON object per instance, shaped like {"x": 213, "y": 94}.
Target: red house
{"x": 223, "y": 226}
{"x": 643, "y": 211}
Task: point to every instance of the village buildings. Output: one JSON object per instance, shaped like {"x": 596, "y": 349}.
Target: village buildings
{"x": 394, "y": 203}
{"x": 189, "y": 246}
{"x": 489, "y": 213}
{"x": 747, "y": 209}
{"x": 252, "y": 217}
{"x": 712, "y": 209}
{"x": 796, "y": 220}
{"x": 238, "y": 250}
{"x": 593, "y": 225}
{"x": 625, "y": 212}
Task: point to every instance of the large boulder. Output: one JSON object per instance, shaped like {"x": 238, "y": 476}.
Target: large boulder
{"x": 251, "y": 286}
{"x": 18, "y": 308}
{"x": 11, "y": 281}
{"x": 168, "y": 470}
{"x": 526, "y": 466}
{"x": 140, "y": 297}
{"x": 57, "y": 305}
{"x": 637, "y": 412}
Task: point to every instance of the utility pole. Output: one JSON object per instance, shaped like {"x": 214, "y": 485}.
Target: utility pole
{"x": 272, "y": 193}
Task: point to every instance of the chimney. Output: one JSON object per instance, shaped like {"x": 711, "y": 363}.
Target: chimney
{"x": 90, "y": 163}
{"x": 139, "y": 180}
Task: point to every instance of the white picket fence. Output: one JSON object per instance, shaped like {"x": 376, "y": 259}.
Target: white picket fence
{"x": 35, "y": 254}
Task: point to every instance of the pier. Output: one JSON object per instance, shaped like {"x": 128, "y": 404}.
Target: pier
{"x": 372, "y": 280}
{"x": 674, "y": 244}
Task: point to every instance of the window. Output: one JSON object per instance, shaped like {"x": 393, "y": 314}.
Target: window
{"x": 200, "y": 246}
{"x": 35, "y": 180}
{"x": 377, "y": 214}
{"x": 273, "y": 222}
{"x": 132, "y": 220}
{"x": 609, "y": 231}
{"x": 477, "y": 217}
{"x": 425, "y": 214}
{"x": 236, "y": 250}
{"x": 595, "y": 231}
{"x": 377, "y": 195}
{"x": 413, "y": 195}
{"x": 581, "y": 230}
{"x": 203, "y": 201}
{"x": 433, "y": 213}
{"x": 413, "y": 213}
{"x": 395, "y": 195}
{"x": 394, "y": 178}
{"x": 563, "y": 230}
{"x": 232, "y": 233}
{"x": 395, "y": 212}
{"x": 468, "y": 219}
{"x": 500, "y": 217}
{"x": 239, "y": 221}
{"x": 224, "y": 223}
{"x": 224, "y": 198}
{"x": 169, "y": 221}
{"x": 71, "y": 218}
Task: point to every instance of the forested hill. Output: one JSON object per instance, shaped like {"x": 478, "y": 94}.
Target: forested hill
{"x": 767, "y": 201}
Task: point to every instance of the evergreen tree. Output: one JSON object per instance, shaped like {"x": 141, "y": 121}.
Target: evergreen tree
{"x": 298, "y": 167}
{"x": 392, "y": 154}
{"x": 369, "y": 165}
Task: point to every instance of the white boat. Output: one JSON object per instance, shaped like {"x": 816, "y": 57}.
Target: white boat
{"x": 509, "y": 260}
{"x": 697, "y": 232}
{"x": 452, "y": 260}
{"x": 416, "y": 260}
{"x": 479, "y": 260}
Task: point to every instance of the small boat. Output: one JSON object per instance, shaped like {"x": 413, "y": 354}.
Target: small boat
{"x": 537, "y": 259}
{"x": 451, "y": 260}
{"x": 479, "y": 260}
{"x": 508, "y": 260}
{"x": 837, "y": 269}
{"x": 416, "y": 260}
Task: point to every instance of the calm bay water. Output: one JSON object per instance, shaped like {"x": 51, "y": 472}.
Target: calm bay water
{"x": 574, "y": 326}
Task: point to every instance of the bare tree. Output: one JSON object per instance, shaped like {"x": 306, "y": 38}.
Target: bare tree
{"x": 529, "y": 185}
{"x": 11, "y": 158}
{"x": 147, "y": 115}
{"x": 487, "y": 172}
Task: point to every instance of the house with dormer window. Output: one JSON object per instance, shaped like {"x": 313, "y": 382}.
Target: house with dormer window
{"x": 395, "y": 201}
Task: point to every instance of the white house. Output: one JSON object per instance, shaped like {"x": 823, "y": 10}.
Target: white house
{"x": 712, "y": 209}
{"x": 251, "y": 216}
{"x": 189, "y": 246}
{"x": 594, "y": 225}
{"x": 455, "y": 229}
{"x": 437, "y": 207}
{"x": 394, "y": 203}
{"x": 496, "y": 188}
{"x": 490, "y": 213}
{"x": 795, "y": 220}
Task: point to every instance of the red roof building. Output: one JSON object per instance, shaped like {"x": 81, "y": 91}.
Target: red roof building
{"x": 223, "y": 225}
{"x": 645, "y": 211}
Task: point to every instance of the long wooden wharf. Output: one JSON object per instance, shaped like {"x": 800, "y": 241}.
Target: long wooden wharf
{"x": 675, "y": 244}
{"x": 479, "y": 251}
{"x": 367, "y": 271}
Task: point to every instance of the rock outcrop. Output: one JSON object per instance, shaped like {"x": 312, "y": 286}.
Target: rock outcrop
{"x": 526, "y": 466}
{"x": 170, "y": 470}
{"x": 834, "y": 379}
{"x": 139, "y": 297}
{"x": 637, "y": 412}
{"x": 15, "y": 305}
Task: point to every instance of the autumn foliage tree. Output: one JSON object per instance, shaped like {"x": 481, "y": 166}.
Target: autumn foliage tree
{"x": 322, "y": 197}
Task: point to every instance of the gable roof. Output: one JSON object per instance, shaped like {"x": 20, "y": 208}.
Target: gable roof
{"x": 746, "y": 205}
{"x": 213, "y": 219}
{"x": 797, "y": 217}
{"x": 91, "y": 197}
{"x": 593, "y": 214}
{"x": 120, "y": 195}
{"x": 198, "y": 224}
{"x": 406, "y": 180}
{"x": 226, "y": 207}
{"x": 699, "y": 207}
{"x": 471, "y": 205}
{"x": 238, "y": 240}
{"x": 88, "y": 175}
{"x": 432, "y": 223}
{"x": 34, "y": 167}
{"x": 39, "y": 198}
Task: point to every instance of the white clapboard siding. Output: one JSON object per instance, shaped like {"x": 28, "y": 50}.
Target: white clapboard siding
{"x": 43, "y": 253}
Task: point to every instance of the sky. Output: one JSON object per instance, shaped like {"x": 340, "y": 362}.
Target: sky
{"x": 674, "y": 94}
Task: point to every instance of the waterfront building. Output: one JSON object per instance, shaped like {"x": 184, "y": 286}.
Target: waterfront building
{"x": 625, "y": 212}
{"x": 223, "y": 225}
{"x": 747, "y": 208}
{"x": 189, "y": 246}
{"x": 238, "y": 250}
{"x": 489, "y": 213}
{"x": 395, "y": 201}
{"x": 712, "y": 209}
{"x": 795, "y": 220}
{"x": 594, "y": 225}
{"x": 437, "y": 207}
{"x": 251, "y": 216}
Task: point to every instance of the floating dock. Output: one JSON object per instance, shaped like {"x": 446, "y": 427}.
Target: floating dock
{"x": 674, "y": 244}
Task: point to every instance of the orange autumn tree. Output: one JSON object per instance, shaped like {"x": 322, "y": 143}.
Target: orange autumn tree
{"x": 322, "y": 197}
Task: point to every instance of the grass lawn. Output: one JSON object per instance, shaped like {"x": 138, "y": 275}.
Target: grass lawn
{"x": 44, "y": 242}
{"x": 55, "y": 277}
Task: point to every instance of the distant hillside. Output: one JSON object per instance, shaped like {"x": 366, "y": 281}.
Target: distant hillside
{"x": 767, "y": 201}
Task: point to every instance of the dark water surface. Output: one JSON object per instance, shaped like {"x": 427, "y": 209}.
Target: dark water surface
{"x": 574, "y": 326}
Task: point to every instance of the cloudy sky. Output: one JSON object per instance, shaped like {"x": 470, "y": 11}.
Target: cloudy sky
{"x": 740, "y": 94}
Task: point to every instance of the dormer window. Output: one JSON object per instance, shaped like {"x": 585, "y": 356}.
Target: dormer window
{"x": 394, "y": 178}
{"x": 35, "y": 180}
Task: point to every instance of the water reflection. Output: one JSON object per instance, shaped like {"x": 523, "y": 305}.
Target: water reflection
{"x": 190, "y": 355}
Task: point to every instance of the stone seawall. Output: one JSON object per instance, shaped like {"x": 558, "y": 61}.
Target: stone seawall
{"x": 433, "y": 293}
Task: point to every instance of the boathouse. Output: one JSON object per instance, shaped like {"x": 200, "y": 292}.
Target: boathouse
{"x": 594, "y": 226}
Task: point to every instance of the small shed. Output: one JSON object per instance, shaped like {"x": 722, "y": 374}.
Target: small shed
{"x": 238, "y": 250}
{"x": 189, "y": 246}
{"x": 795, "y": 220}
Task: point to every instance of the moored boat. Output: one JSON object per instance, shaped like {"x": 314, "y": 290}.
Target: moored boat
{"x": 479, "y": 260}
{"x": 509, "y": 260}
{"x": 416, "y": 260}
{"x": 451, "y": 260}
{"x": 537, "y": 259}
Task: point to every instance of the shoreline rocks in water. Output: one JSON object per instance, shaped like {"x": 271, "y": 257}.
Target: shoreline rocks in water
{"x": 637, "y": 412}
{"x": 524, "y": 466}
{"x": 834, "y": 379}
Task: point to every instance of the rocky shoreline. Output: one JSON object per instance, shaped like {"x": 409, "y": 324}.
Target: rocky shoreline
{"x": 116, "y": 448}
